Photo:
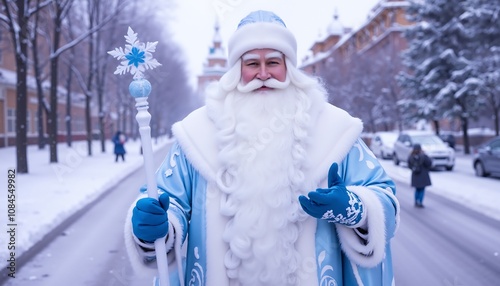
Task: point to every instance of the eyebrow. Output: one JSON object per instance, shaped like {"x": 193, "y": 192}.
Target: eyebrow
{"x": 274, "y": 55}
{"x": 270, "y": 55}
{"x": 247, "y": 57}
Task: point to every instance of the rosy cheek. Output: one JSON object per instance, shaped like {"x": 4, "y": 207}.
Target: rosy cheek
{"x": 246, "y": 77}
{"x": 281, "y": 77}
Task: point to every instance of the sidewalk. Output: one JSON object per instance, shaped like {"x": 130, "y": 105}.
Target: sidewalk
{"x": 51, "y": 193}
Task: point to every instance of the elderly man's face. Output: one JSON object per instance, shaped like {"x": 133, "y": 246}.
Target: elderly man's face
{"x": 263, "y": 64}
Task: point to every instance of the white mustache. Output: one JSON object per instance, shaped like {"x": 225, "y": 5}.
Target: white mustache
{"x": 257, "y": 83}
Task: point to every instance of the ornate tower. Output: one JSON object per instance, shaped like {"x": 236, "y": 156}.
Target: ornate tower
{"x": 216, "y": 63}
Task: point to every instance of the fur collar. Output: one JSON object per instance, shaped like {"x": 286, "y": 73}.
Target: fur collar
{"x": 335, "y": 133}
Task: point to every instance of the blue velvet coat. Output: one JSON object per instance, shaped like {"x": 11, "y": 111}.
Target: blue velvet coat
{"x": 343, "y": 255}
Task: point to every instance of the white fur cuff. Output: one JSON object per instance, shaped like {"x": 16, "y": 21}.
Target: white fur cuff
{"x": 367, "y": 251}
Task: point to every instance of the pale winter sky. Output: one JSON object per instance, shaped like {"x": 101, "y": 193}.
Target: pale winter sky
{"x": 193, "y": 21}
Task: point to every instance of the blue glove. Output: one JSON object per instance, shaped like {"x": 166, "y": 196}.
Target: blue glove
{"x": 149, "y": 218}
{"x": 335, "y": 204}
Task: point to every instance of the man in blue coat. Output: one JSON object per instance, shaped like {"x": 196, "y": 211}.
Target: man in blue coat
{"x": 268, "y": 184}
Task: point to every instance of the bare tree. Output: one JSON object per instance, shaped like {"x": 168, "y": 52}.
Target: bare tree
{"x": 91, "y": 9}
{"x": 18, "y": 17}
{"x": 96, "y": 22}
{"x": 69, "y": 83}
{"x": 103, "y": 42}
{"x": 60, "y": 10}
{"x": 38, "y": 68}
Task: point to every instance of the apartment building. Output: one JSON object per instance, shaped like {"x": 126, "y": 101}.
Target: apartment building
{"x": 8, "y": 102}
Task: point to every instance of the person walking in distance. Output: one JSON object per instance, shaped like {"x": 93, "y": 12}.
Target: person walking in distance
{"x": 119, "y": 140}
{"x": 420, "y": 165}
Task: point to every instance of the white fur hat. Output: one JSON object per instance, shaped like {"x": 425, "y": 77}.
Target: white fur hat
{"x": 262, "y": 30}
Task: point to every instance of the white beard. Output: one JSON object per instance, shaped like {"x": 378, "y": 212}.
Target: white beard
{"x": 262, "y": 138}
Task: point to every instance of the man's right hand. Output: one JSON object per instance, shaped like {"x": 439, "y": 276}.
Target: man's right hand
{"x": 149, "y": 218}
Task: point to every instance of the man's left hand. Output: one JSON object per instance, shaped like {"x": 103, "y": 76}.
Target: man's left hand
{"x": 336, "y": 204}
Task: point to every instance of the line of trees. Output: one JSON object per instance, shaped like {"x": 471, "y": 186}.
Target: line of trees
{"x": 65, "y": 43}
{"x": 450, "y": 70}
{"x": 453, "y": 61}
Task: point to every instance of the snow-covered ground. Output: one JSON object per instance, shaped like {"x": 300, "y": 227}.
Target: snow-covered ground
{"x": 50, "y": 193}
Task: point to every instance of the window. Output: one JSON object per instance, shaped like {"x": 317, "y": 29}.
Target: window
{"x": 35, "y": 122}
{"x": 31, "y": 121}
{"x": 495, "y": 146}
{"x": 11, "y": 120}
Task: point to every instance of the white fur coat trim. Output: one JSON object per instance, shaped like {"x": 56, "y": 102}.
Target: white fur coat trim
{"x": 196, "y": 135}
{"x": 333, "y": 136}
{"x": 305, "y": 244}
{"x": 136, "y": 253}
{"x": 133, "y": 250}
{"x": 372, "y": 252}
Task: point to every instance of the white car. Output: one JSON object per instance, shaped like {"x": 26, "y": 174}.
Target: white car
{"x": 441, "y": 154}
{"x": 382, "y": 144}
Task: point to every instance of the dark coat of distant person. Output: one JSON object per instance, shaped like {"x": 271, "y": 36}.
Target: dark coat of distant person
{"x": 119, "y": 141}
{"x": 420, "y": 164}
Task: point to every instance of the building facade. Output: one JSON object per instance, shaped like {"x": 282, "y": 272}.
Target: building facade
{"x": 216, "y": 63}
{"x": 8, "y": 103}
{"x": 382, "y": 30}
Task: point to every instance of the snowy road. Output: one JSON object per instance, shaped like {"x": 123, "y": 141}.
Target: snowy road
{"x": 442, "y": 244}
{"x": 454, "y": 240}
{"x": 90, "y": 251}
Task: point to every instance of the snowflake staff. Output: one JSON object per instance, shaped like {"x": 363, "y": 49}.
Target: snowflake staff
{"x": 136, "y": 58}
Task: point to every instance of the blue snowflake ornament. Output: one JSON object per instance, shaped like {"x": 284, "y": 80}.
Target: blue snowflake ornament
{"x": 136, "y": 57}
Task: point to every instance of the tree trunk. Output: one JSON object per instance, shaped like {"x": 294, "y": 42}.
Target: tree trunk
{"x": 436, "y": 126}
{"x": 40, "y": 120}
{"x": 21, "y": 107}
{"x": 100, "y": 80}
{"x": 68, "y": 119}
{"x": 53, "y": 111}
{"x": 54, "y": 59}
{"x": 88, "y": 122}
{"x": 496, "y": 115}
{"x": 39, "y": 88}
{"x": 465, "y": 128}
{"x": 102, "y": 136}
{"x": 22, "y": 88}
{"x": 88, "y": 93}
